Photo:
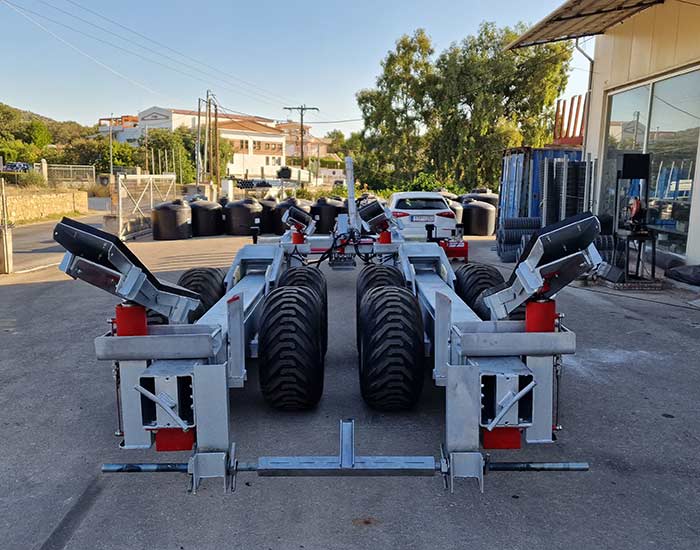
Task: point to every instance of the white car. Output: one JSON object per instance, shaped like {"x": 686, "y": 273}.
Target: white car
{"x": 416, "y": 209}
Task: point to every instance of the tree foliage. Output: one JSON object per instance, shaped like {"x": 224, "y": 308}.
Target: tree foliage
{"x": 452, "y": 116}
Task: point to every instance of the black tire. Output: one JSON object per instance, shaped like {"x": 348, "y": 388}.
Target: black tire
{"x": 473, "y": 279}
{"x": 374, "y": 276}
{"x": 391, "y": 349}
{"x": 290, "y": 359}
{"x": 313, "y": 278}
{"x": 208, "y": 282}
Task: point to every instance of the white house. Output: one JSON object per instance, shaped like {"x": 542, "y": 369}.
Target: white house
{"x": 258, "y": 149}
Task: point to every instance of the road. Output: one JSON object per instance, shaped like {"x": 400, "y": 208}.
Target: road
{"x": 34, "y": 246}
{"x": 629, "y": 408}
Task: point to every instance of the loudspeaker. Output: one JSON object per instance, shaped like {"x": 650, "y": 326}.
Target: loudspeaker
{"x": 635, "y": 166}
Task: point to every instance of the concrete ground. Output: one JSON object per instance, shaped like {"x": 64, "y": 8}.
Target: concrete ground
{"x": 34, "y": 246}
{"x": 630, "y": 408}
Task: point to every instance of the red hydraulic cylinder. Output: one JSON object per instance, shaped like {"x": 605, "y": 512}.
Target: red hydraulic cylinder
{"x": 385, "y": 237}
{"x": 131, "y": 320}
{"x": 540, "y": 316}
{"x": 297, "y": 237}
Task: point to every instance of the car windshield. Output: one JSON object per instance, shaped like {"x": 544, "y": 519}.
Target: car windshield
{"x": 421, "y": 203}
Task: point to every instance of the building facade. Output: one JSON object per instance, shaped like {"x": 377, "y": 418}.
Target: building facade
{"x": 313, "y": 146}
{"x": 645, "y": 98}
{"x": 258, "y": 149}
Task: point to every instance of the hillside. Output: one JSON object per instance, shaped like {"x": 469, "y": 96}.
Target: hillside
{"x": 26, "y": 126}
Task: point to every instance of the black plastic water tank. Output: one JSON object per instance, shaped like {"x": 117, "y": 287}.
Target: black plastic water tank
{"x": 491, "y": 198}
{"x": 240, "y": 216}
{"x": 267, "y": 224}
{"x": 457, "y": 208}
{"x": 325, "y": 211}
{"x": 171, "y": 221}
{"x": 479, "y": 218}
{"x": 278, "y": 225}
{"x": 206, "y": 218}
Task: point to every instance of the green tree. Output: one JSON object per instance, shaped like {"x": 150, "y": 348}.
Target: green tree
{"x": 96, "y": 152}
{"x": 398, "y": 111}
{"x": 36, "y": 132}
{"x": 488, "y": 98}
{"x": 337, "y": 144}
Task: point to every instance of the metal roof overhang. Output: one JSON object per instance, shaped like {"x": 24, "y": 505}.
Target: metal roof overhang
{"x": 577, "y": 18}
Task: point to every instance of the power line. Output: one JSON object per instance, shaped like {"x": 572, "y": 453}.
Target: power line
{"x": 149, "y": 49}
{"x": 337, "y": 121}
{"x": 186, "y": 56}
{"x": 80, "y": 51}
{"x": 136, "y": 54}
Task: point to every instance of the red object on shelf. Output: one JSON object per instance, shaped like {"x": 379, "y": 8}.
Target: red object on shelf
{"x": 455, "y": 249}
{"x": 502, "y": 438}
{"x": 297, "y": 237}
{"x": 131, "y": 320}
{"x": 174, "y": 439}
{"x": 384, "y": 237}
{"x": 540, "y": 316}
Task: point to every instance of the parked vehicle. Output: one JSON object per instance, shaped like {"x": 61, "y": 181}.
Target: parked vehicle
{"x": 16, "y": 167}
{"x": 416, "y": 209}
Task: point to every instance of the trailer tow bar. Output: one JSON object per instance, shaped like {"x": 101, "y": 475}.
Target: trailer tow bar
{"x": 346, "y": 464}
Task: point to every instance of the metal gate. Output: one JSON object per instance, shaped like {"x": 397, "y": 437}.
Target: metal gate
{"x": 135, "y": 197}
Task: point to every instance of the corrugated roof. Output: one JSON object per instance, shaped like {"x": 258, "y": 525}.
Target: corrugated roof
{"x": 577, "y": 18}
{"x": 250, "y": 126}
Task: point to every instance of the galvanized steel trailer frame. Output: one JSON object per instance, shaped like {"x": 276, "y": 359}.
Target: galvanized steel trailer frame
{"x": 210, "y": 356}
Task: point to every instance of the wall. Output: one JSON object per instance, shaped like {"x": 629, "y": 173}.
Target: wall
{"x": 37, "y": 205}
{"x": 659, "y": 41}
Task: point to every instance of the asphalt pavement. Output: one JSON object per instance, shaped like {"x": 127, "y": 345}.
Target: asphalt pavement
{"x": 629, "y": 407}
{"x": 34, "y": 246}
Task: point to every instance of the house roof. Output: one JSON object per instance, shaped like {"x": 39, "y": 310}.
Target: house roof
{"x": 250, "y": 126}
{"x": 577, "y": 18}
{"x": 224, "y": 115}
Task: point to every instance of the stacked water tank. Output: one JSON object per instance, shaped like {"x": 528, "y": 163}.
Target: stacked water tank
{"x": 241, "y": 216}
{"x": 207, "y": 218}
{"x": 325, "y": 211}
{"x": 171, "y": 221}
{"x": 267, "y": 222}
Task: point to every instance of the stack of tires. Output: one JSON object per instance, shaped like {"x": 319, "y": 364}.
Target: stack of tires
{"x": 389, "y": 339}
{"x": 473, "y": 282}
{"x": 292, "y": 340}
{"x": 611, "y": 252}
{"x": 513, "y": 235}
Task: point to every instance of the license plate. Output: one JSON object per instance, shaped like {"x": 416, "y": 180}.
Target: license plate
{"x": 422, "y": 218}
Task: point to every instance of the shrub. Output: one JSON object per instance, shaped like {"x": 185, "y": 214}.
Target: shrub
{"x": 98, "y": 190}
{"x": 24, "y": 179}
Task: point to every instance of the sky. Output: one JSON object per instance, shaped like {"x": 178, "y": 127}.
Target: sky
{"x": 70, "y": 63}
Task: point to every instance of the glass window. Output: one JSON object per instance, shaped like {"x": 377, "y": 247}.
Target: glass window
{"x": 674, "y": 130}
{"x": 627, "y": 126}
{"x": 421, "y": 203}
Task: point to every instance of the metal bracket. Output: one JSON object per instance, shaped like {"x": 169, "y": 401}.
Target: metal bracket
{"x": 203, "y": 465}
{"x": 165, "y": 402}
{"x": 346, "y": 463}
{"x": 466, "y": 465}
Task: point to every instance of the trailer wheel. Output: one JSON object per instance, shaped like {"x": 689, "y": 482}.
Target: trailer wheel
{"x": 473, "y": 279}
{"x": 373, "y": 276}
{"x": 391, "y": 349}
{"x": 208, "y": 282}
{"x": 314, "y": 279}
{"x": 290, "y": 358}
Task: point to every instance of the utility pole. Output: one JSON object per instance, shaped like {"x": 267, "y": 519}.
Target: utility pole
{"x": 198, "y": 147}
{"x": 206, "y": 134}
{"x": 302, "y": 109}
{"x": 216, "y": 143}
{"x": 111, "y": 156}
